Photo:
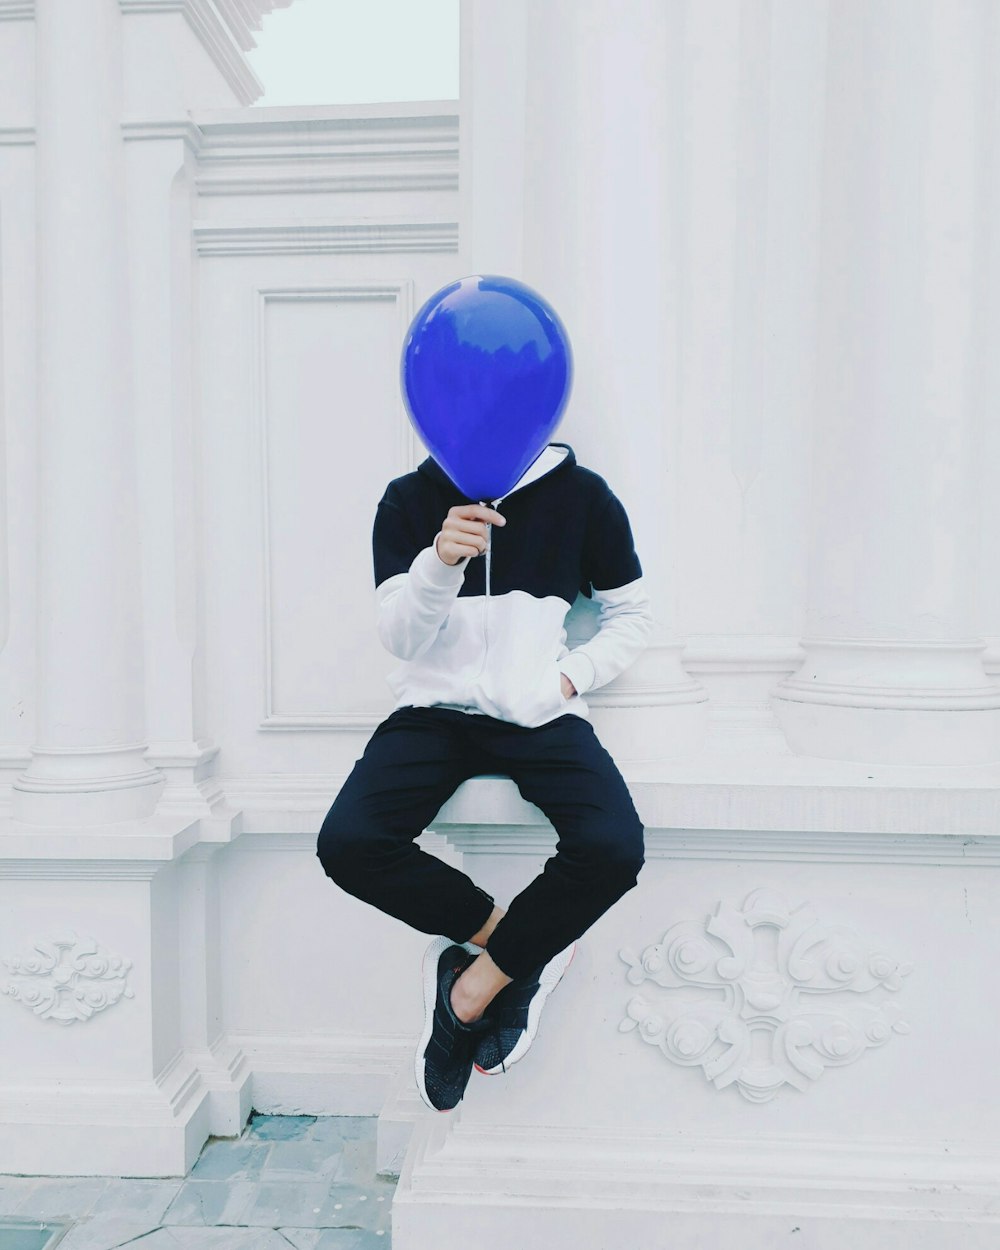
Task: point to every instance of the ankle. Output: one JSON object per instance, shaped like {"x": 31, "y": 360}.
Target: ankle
{"x": 483, "y": 936}
{"x": 466, "y": 1006}
{"x": 476, "y": 987}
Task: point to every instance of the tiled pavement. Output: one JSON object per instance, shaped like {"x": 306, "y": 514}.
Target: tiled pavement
{"x": 306, "y": 1182}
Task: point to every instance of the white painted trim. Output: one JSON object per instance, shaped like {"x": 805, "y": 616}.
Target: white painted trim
{"x": 531, "y": 1185}
{"x": 399, "y": 293}
{"x": 304, "y": 237}
{"x": 360, "y": 151}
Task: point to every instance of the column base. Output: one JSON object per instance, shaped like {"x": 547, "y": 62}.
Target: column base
{"x": 545, "y": 1187}
{"x": 891, "y": 702}
{"x": 86, "y": 786}
{"x": 128, "y": 1128}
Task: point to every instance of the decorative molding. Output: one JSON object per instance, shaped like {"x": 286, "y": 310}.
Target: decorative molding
{"x": 68, "y": 978}
{"x": 796, "y": 807}
{"x": 266, "y": 155}
{"x": 630, "y": 1183}
{"x": 17, "y": 136}
{"x": 224, "y": 29}
{"x": 954, "y": 671}
{"x": 742, "y": 654}
{"x": 801, "y": 815}
{"x": 791, "y": 847}
{"x": 180, "y": 128}
{"x": 243, "y": 17}
{"x": 765, "y": 1032}
{"x": 24, "y": 866}
{"x": 17, "y": 10}
{"x": 343, "y": 722}
{"x": 13, "y": 755}
{"x": 399, "y": 294}
{"x": 316, "y": 238}
{"x": 352, "y": 176}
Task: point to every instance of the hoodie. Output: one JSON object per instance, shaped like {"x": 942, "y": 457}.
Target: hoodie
{"x": 486, "y": 636}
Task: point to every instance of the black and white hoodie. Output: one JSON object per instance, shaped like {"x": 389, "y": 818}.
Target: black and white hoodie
{"x": 486, "y": 635}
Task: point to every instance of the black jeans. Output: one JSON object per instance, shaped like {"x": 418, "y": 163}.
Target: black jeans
{"x": 415, "y": 760}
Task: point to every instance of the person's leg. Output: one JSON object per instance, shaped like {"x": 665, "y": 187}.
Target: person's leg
{"x": 563, "y": 769}
{"x": 413, "y": 762}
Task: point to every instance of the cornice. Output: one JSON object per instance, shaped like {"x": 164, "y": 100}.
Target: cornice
{"x": 320, "y": 237}
{"x": 181, "y": 128}
{"x": 245, "y": 16}
{"x": 282, "y": 151}
{"x": 224, "y": 29}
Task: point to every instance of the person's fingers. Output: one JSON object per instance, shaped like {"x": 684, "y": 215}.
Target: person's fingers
{"x": 464, "y": 531}
{"x": 478, "y": 512}
{"x": 460, "y": 536}
{"x": 461, "y": 550}
{"x": 467, "y": 527}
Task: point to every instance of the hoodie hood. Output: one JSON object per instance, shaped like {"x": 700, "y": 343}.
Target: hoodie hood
{"x": 552, "y": 457}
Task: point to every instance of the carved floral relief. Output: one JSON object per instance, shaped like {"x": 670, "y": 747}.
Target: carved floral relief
{"x": 68, "y": 978}
{"x": 778, "y": 997}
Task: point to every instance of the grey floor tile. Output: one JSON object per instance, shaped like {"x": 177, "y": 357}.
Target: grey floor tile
{"x": 296, "y": 1204}
{"x": 137, "y": 1198}
{"x": 211, "y": 1239}
{"x": 301, "y": 1238}
{"x": 359, "y": 1160}
{"x": 345, "y": 1126}
{"x": 357, "y": 1206}
{"x": 341, "y": 1239}
{"x": 303, "y": 1160}
{"x": 105, "y": 1232}
{"x": 206, "y": 1203}
{"x": 13, "y": 1190}
{"x": 279, "y": 1127}
{"x": 225, "y": 1159}
{"x": 66, "y": 1196}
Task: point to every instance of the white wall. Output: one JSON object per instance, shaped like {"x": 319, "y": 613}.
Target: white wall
{"x": 179, "y": 705}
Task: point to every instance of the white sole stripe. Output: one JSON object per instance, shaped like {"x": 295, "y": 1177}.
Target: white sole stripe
{"x": 430, "y": 984}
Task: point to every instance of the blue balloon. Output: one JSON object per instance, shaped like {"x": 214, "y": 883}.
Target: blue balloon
{"x": 486, "y": 371}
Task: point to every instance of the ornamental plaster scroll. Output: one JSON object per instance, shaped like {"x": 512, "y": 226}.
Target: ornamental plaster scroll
{"x": 759, "y": 1020}
{"x": 68, "y": 978}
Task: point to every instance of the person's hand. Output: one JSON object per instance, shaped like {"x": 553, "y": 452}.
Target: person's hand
{"x": 568, "y": 688}
{"x": 463, "y": 532}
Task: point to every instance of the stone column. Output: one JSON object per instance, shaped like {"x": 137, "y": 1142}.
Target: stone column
{"x": 893, "y": 670}
{"x": 569, "y": 151}
{"x": 88, "y": 763}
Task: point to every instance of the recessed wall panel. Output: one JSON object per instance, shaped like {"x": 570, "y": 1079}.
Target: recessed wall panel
{"x": 333, "y": 432}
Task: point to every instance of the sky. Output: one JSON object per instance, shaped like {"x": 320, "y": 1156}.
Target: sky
{"x": 358, "y": 52}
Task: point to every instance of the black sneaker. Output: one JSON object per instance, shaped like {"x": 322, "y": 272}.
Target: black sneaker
{"x": 514, "y": 1014}
{"x": 445, "y": 1052}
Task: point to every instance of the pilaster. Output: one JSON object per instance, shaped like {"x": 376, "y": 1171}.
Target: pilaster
{"x": 569, "y": 185}
{"x": 893, "y": 670}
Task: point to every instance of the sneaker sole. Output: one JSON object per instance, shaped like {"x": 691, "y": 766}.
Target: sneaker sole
{"x": 429, "y": 975}
{"x": 547, "y": 982}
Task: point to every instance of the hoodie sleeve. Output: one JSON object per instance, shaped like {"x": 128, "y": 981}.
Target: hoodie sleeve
{"x": 615, "y": 574}
{"x": 414, "y": 588}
